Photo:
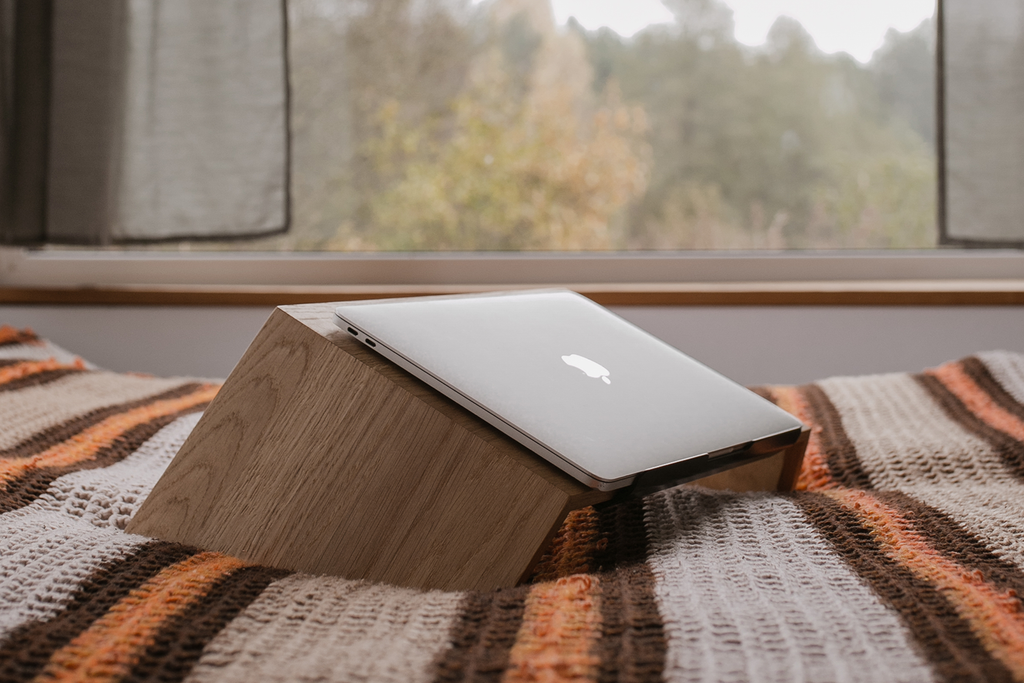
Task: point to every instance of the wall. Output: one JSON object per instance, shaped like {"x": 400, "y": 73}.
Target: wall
{"x": 752, "y": 345}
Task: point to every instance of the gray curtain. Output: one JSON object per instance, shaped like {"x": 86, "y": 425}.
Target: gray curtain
{"x": 983, "y": 122}
{"x": 165, "y": 119}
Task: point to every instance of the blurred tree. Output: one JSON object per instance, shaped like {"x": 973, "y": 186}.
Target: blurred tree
{"x": 752, "y": 147}
{"x": 525, "y": 158}
{"x": 904, "y": 70}
{"x": 449, "y": 124}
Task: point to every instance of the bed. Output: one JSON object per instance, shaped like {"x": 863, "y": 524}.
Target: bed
{"x": 899, "y": 558}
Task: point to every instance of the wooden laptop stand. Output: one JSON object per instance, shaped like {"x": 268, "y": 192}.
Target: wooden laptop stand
{"x": 320, "y": 456}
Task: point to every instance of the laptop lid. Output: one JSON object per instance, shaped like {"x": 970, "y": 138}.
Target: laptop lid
{"x": 591, "y": 393}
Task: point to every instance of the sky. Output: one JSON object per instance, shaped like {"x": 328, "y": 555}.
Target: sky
{"x": 854, "y": 26}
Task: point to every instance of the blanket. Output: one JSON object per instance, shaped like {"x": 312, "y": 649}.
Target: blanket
{"x": 900, "y": 557}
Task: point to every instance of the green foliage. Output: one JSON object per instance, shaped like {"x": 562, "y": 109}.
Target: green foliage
{"x": 441, "y": 124}
{"x": 507, "y": 175}
{"x": 782, "y": 147}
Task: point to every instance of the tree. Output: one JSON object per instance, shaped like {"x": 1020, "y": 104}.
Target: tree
{"x": 520, "y": 160}
{"x": 449, "y": 124}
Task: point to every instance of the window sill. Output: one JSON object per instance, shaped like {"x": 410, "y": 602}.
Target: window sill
{"x": 939, "y": 277}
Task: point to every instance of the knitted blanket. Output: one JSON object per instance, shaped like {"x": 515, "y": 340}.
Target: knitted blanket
{"x": 901, "y": 558}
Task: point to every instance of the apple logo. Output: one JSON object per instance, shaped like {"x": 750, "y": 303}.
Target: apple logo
{"x": 588, "y": 366}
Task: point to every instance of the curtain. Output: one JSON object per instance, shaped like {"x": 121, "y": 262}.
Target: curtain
{"x": 982, "y": 72}
{"x": 163, "y": 119}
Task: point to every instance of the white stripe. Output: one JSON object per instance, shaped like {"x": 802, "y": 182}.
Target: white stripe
{"x": 331, "y": 629}
{"x": 29, "y": 411}
{"x": 906, "y": 442}
{"x": 51, "y": 546}
{"x": 110, "y": 496}
{"x": 749, "y": 590}
{"x": 993, "y": 513}
{"x": 903, "y": 437}
{"x": 43, "y": 351}
{"x": 46, "y": 557}
{"x": 1008, "y": 369}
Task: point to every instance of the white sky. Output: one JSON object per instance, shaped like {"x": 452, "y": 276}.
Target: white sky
{"x": 853, "y": 26}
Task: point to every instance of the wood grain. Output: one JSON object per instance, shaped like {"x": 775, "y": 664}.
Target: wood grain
{"x": 830, "y": 293}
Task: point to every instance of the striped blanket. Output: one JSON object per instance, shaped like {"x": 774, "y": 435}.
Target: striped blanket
{"x": 900, "y": 559}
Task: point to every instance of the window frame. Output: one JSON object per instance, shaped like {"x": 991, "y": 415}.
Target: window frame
{"x": 937, "y": 277}
{"x": 70, "y": 274}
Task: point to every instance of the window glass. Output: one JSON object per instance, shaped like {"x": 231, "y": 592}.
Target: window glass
{"x": 553, "y": 125}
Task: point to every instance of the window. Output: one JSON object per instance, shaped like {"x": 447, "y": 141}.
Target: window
{"x": 502, "y": 126}
{"x": 439, "y": 125}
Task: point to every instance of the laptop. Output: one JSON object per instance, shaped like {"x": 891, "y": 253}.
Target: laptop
{"x": 590, "y": 393}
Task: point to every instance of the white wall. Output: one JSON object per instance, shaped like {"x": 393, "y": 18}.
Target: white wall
{"x": 791, "y": 345}
{"x": 753, "y": 345}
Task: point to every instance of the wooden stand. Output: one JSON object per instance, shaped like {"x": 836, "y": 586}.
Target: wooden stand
{"x": 320, "y": 456}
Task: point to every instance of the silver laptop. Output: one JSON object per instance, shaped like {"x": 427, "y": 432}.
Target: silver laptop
{"x": 597, "y": 397}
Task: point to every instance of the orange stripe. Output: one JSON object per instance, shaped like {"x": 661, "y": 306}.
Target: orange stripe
{"x": 994, "y": 616}
{"x": 559, "y": 634}
{"x": 10, "y": 334}
{"x": 573, "y": 547}
{"x": 954, "y": 378}
{"x": 814, "y": 474}
{"x": 87, "y": 443}
{"x": 34, "y": 367}
{"x": 115, "y": 642}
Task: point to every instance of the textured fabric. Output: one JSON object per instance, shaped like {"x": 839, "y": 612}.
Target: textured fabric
{"x": 741, "y": 570}
{"x": 326, "y": 628}
{"x": 901, "y": 557}
{"x": 168, "y": 120}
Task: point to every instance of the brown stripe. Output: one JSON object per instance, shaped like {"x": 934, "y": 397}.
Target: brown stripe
{"x": 623, "y": 535}
{"x": 178, "y": 645}
{"x": 114, "y": 643}
{"x": 29, "y": 487}
{"x": 944, "y": 534}
{"x": 573, "y": 548}
{"x": 611, "y": 539}
{"x": 836, "y": 447}
{"x": 40, "y": 378}
{"x": 596, "y": 539}
{"x": 633, "y": 644}
{"x": 1009, "y": 450}
{"x": 979, "y": 372}
{"x": 483, "y": 636}
{"x": 85, "y": 445}
{"x": 27, "y": 650}
{"x": 28, "y": 368}
{"x": 12, "y": 335}
{"x": 945, "y": 639}
{"x": 974, "y": 398}
{"x": 60, "y": 433}
{"x": 34, "y": 482}
{"x": 993, "y": 615}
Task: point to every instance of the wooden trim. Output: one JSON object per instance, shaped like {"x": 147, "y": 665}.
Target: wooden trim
{"x": 847, "y": 293}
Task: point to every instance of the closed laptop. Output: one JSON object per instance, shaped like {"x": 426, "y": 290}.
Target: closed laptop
{"x": 589, "y": 392}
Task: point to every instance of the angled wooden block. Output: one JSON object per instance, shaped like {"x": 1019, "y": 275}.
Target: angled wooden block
{"x": 777, "y": 472}
{"x": 320, "y": 456}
